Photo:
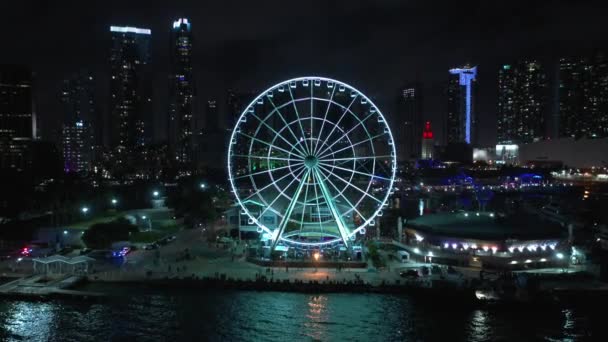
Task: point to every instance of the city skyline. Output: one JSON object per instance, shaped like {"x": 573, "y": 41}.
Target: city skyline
{"x": 232, "y": 55}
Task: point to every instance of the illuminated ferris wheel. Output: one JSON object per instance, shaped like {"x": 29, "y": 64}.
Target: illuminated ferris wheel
{"x": 311, "y": 162}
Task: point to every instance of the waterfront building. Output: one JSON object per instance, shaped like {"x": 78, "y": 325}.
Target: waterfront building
{"x": 486, "y": 240}
{"x": 461, "y": 119}
{"x": 17, "y": 117}
{"x": 181, "y": 92}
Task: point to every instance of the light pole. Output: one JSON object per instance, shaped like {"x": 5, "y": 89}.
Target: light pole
{"x": 84, "y": 210}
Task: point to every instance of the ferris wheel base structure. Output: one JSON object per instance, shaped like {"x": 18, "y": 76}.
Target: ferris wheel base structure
{"x": 311, "y": 162}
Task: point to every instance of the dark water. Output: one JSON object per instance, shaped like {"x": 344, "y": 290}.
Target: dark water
{"x": 253, "y": 316}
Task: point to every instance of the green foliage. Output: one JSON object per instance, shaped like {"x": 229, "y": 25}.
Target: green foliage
{"x": 102, "y": 235}
{"x": 374, "y": 255}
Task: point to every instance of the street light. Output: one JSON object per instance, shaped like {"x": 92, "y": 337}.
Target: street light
{"x": 143, "y": 217}
{"x": 114, "y": 201}
{"x": 84, "y": 210}
{"x": 203, "y": 186}
{"x": 155, "y": 193}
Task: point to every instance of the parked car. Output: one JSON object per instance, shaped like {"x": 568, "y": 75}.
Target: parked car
{"x": 151, "y": 246}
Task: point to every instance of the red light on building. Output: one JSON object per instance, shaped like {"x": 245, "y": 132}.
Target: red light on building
{"x": 427, "y": 133}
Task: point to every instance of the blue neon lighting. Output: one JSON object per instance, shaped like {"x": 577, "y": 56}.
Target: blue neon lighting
{"x": 467, "y": 75}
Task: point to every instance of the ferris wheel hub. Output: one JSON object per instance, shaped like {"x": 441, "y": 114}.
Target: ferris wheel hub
{"x": 311, "y": 162}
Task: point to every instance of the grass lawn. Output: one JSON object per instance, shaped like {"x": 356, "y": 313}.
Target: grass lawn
{"x": 99, "y": 218}
{"x": 159, "y": 231}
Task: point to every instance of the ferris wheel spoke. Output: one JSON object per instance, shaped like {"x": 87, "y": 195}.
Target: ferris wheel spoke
{"x": 341, "y": 194}
{"x": 329, "y": 103}
{"x": 294, "y": 200}
{"x": 353, "y": 158}
{"x": 281, "y": 193}
{"x": 258, "y": 191}
{"x": 311, "y": 115}
{"x": 295, "y": 107}
{"x": 372, "y": 176}
{"x": 265, "y": 171}
{"x": 304, "y": 205}
{"x": 317, "y": 200}
{"x": 351, "y": 184}
{"x": 261, "y": 157}
{"x": 269, "y": 144}
{"x": 347, "y": 110}
{"x": 289, "y": 143}
{"x": 302, "y": 151}
{"x": 346, "y": 134}
{"x": 332, "y": 207}
{"x": 353, "y": 145}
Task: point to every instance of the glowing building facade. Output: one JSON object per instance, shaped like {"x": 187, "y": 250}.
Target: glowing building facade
{"x": 428, "y": 142}
{"x": 522, "y": 103}
{"x": 76, "y": 147}
{"x": 181, "y": 92}
{"x": 460, "y": 125}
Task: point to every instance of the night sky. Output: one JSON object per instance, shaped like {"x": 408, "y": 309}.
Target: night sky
{"x": 376, "y": 46}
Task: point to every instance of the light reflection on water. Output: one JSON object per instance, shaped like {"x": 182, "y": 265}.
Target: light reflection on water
{"x": 274, "y": 316}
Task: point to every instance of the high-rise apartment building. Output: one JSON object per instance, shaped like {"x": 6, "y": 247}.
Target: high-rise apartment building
{"x": 76, "y": 146}
{"x": 408, "y": 119}
{"x": 583, "y": 97}
{"x": 181, "y": 92}
{"x": 130, "y": 88}
{"x": 522, "y": 103}
{"x": 17, "y": 118}
{"x": 460, "y": 126}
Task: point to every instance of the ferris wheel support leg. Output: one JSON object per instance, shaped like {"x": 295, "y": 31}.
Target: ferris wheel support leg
{"x": 279, "y": 231}
{"x": 332, "y": 208}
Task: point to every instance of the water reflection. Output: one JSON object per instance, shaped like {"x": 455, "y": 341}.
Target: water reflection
{"x": 30, "y": 321}
{"x": 317, "y": 317}
{"x": 480, "y": 326}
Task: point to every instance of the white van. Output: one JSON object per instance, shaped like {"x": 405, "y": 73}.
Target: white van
{"x": 403, "y": 256}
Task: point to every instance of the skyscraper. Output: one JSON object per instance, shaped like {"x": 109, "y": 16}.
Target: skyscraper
{"x": 181, "y": 92}
{"x": 522, "y": 103}
{"x": 461, "y": 119}
{"x": 80, "y": 118}
{"x": 409, "y": 121}
{"x": 428, "y": 142}
{"x": 76, "y": 146}
{"x": 17, "y": 119}
{"x": 583, "y": 97}
{"x": 129, "y": 87}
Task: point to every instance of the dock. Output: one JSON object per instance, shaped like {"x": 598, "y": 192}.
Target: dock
{"x": 43, "y": 287}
